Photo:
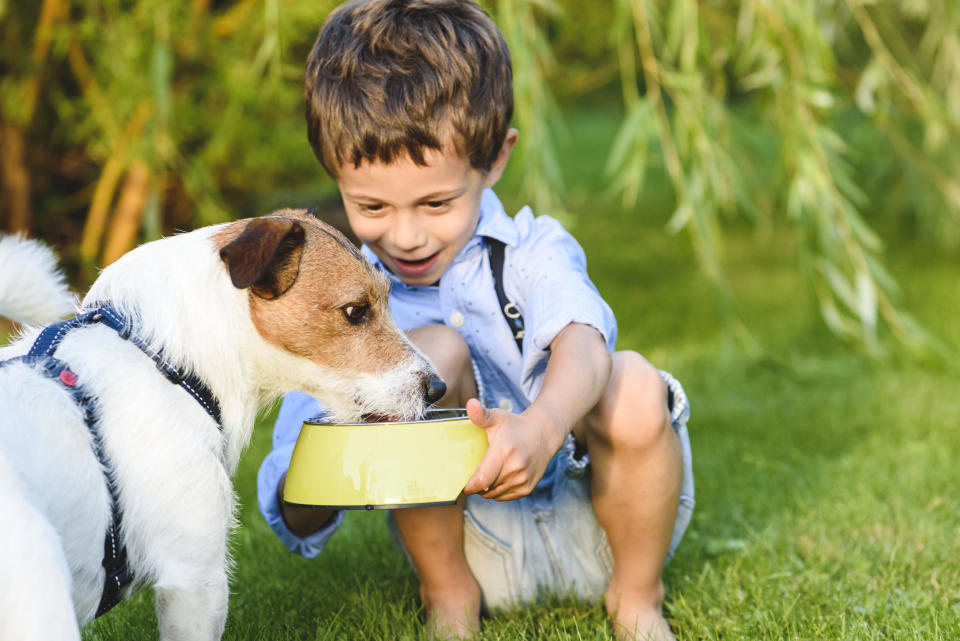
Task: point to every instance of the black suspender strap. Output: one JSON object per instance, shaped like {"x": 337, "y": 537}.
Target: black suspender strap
{"x": 511, "y": 313}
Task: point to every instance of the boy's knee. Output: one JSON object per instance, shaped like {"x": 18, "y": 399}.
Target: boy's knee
{"x": 451, "y": 356}
{"x": 442, "y": 345}
{"x": 633, "y": 411}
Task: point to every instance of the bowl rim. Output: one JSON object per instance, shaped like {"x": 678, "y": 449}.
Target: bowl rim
{"x": 432, "y": 415}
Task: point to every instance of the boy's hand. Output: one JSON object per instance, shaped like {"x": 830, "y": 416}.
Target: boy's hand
{"x": 520, "y": 449}
{"x": 521, "y": 445}
{"x": 302, "y": 521}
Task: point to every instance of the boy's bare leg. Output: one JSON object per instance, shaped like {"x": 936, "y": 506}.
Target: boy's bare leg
{"x": 434, "y": 539}
{"x": 433, "y": 536}
{"x": 637, "y": 470}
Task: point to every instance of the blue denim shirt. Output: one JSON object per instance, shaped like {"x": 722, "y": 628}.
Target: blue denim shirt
{"x": 545, "y": 274}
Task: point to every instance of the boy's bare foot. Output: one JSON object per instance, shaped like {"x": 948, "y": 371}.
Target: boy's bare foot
{"x": 452, "y": 614}
{"x": 637, "y": 617}
{"x": 646, "y": 625}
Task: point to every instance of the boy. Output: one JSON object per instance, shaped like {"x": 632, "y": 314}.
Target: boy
{"x": 586, "y": 487}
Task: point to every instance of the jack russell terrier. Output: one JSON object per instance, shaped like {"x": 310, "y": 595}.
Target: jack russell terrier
{"x": 120, "y": 428}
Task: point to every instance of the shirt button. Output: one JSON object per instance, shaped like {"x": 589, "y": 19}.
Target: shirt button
{"x": 457, "y": 319}
{"x": 506, "y": 404}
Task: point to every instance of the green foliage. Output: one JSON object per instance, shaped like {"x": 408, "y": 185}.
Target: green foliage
{"x": 837, "y": 119}
{"x": 535, "y": 110}
{"x": 209, "y": 98}
{"x": 805, "y": 76}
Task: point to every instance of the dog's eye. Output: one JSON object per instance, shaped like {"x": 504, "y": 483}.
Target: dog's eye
{"x": 355, "y": 314}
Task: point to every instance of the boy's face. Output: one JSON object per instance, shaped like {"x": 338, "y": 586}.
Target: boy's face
{"x": 417, "y": 218}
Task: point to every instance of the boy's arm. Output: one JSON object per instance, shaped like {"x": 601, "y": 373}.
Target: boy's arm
{"x": 305, "y": 534}
{"x": 521, "y": 445}
{"x": 301, "y": 521}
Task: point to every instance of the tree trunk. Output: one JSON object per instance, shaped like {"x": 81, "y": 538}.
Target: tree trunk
{"x": 14, "y": 179}
{"x": 128, "y": 213}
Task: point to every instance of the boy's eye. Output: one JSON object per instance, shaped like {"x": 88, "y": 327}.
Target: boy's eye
{"x": 436, "y": 204}
{"x": 373, "y": 208}
{"x": 355, "y": 313}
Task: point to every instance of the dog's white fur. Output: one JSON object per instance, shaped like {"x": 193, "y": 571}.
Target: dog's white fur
{"x": 32, "y": 289}
{"x": 171, "y": 463}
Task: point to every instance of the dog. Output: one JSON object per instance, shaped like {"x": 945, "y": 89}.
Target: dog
{"x": 175, "y": 349}
{"x": 32, "y": 290}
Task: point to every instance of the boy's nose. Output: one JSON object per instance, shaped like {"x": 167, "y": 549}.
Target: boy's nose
{"x": 407, "y": 234}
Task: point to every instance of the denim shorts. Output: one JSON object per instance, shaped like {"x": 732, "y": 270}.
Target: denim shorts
{"x": 550, "y": 542}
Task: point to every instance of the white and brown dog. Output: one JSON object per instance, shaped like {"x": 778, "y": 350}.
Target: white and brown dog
{"x": 120, "y": 430}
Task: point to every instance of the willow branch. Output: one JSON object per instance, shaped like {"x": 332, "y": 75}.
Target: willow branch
{"x": 96, "y": 221}
{"x": 127, "y": 216}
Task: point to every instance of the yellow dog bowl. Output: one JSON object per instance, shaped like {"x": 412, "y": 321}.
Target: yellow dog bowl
{"x": 385, "y": 465}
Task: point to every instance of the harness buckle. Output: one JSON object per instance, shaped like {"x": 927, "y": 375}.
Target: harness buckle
{"x": 172, "y": 374}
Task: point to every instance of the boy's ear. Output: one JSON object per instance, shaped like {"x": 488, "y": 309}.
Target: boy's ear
{"x": 496, "y": 169}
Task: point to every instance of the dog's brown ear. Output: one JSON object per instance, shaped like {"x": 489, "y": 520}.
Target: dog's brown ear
{"x": 266, "y": 256}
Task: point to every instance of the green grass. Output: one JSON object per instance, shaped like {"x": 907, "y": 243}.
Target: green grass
{"x": 824, "y": 478}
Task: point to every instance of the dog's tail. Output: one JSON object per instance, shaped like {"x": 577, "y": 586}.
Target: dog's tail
{"x": 33, "y": 291}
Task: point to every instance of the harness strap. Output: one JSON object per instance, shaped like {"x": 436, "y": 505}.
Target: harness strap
{"x": 51, "y": 336}
{"x": 118, "y": 574}
{"x": 511, "y": 313}
{"x": 187, "y": 380}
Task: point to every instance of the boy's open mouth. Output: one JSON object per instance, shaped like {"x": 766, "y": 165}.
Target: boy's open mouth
{"x": 415, "y": 267}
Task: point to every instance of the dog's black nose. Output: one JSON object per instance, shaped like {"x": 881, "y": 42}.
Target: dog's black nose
{"x": 434, "y": 389}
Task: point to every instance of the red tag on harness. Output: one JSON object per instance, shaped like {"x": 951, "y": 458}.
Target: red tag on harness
{"x": 68, "y": 378}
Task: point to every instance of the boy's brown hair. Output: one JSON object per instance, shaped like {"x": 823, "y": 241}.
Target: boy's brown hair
{"x": 388, "y": 77}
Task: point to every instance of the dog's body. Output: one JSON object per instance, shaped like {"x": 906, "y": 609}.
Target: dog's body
{"x": 254, "y": 309}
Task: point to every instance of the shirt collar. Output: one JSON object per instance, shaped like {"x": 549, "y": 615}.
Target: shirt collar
{"x": 494, "y": 221}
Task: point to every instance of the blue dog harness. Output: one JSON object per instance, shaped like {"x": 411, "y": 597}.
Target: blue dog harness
{"x": 41, "y": 356}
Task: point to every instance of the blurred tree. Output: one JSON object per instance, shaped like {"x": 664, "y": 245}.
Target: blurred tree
{"x": 813, "y": 79}
{"x": 121, "y": 120}
{"x": 20, "y": 89}
{"x": 156, "y": 114}
{"x": 535, "y": 111}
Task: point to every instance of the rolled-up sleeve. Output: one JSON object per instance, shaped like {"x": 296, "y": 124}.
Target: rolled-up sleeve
{"x": 296, "y": 408}
{"x": 549, "y": 275}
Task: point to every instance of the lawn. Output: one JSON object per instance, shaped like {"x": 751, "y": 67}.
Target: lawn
{"x": 823, "y": 476}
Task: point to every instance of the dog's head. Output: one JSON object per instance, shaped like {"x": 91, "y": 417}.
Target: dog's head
{"x": 316, "y": 298}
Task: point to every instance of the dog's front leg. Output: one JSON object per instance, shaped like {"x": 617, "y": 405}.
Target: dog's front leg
{"x": 193, "y": 614}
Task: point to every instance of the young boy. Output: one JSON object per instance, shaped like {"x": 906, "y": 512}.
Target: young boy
{"x": 587, "y": 486}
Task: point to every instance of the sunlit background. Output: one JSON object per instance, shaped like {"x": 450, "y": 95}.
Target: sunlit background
{"x": 768, "y": 194}
{"x": 121, "y": 121}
